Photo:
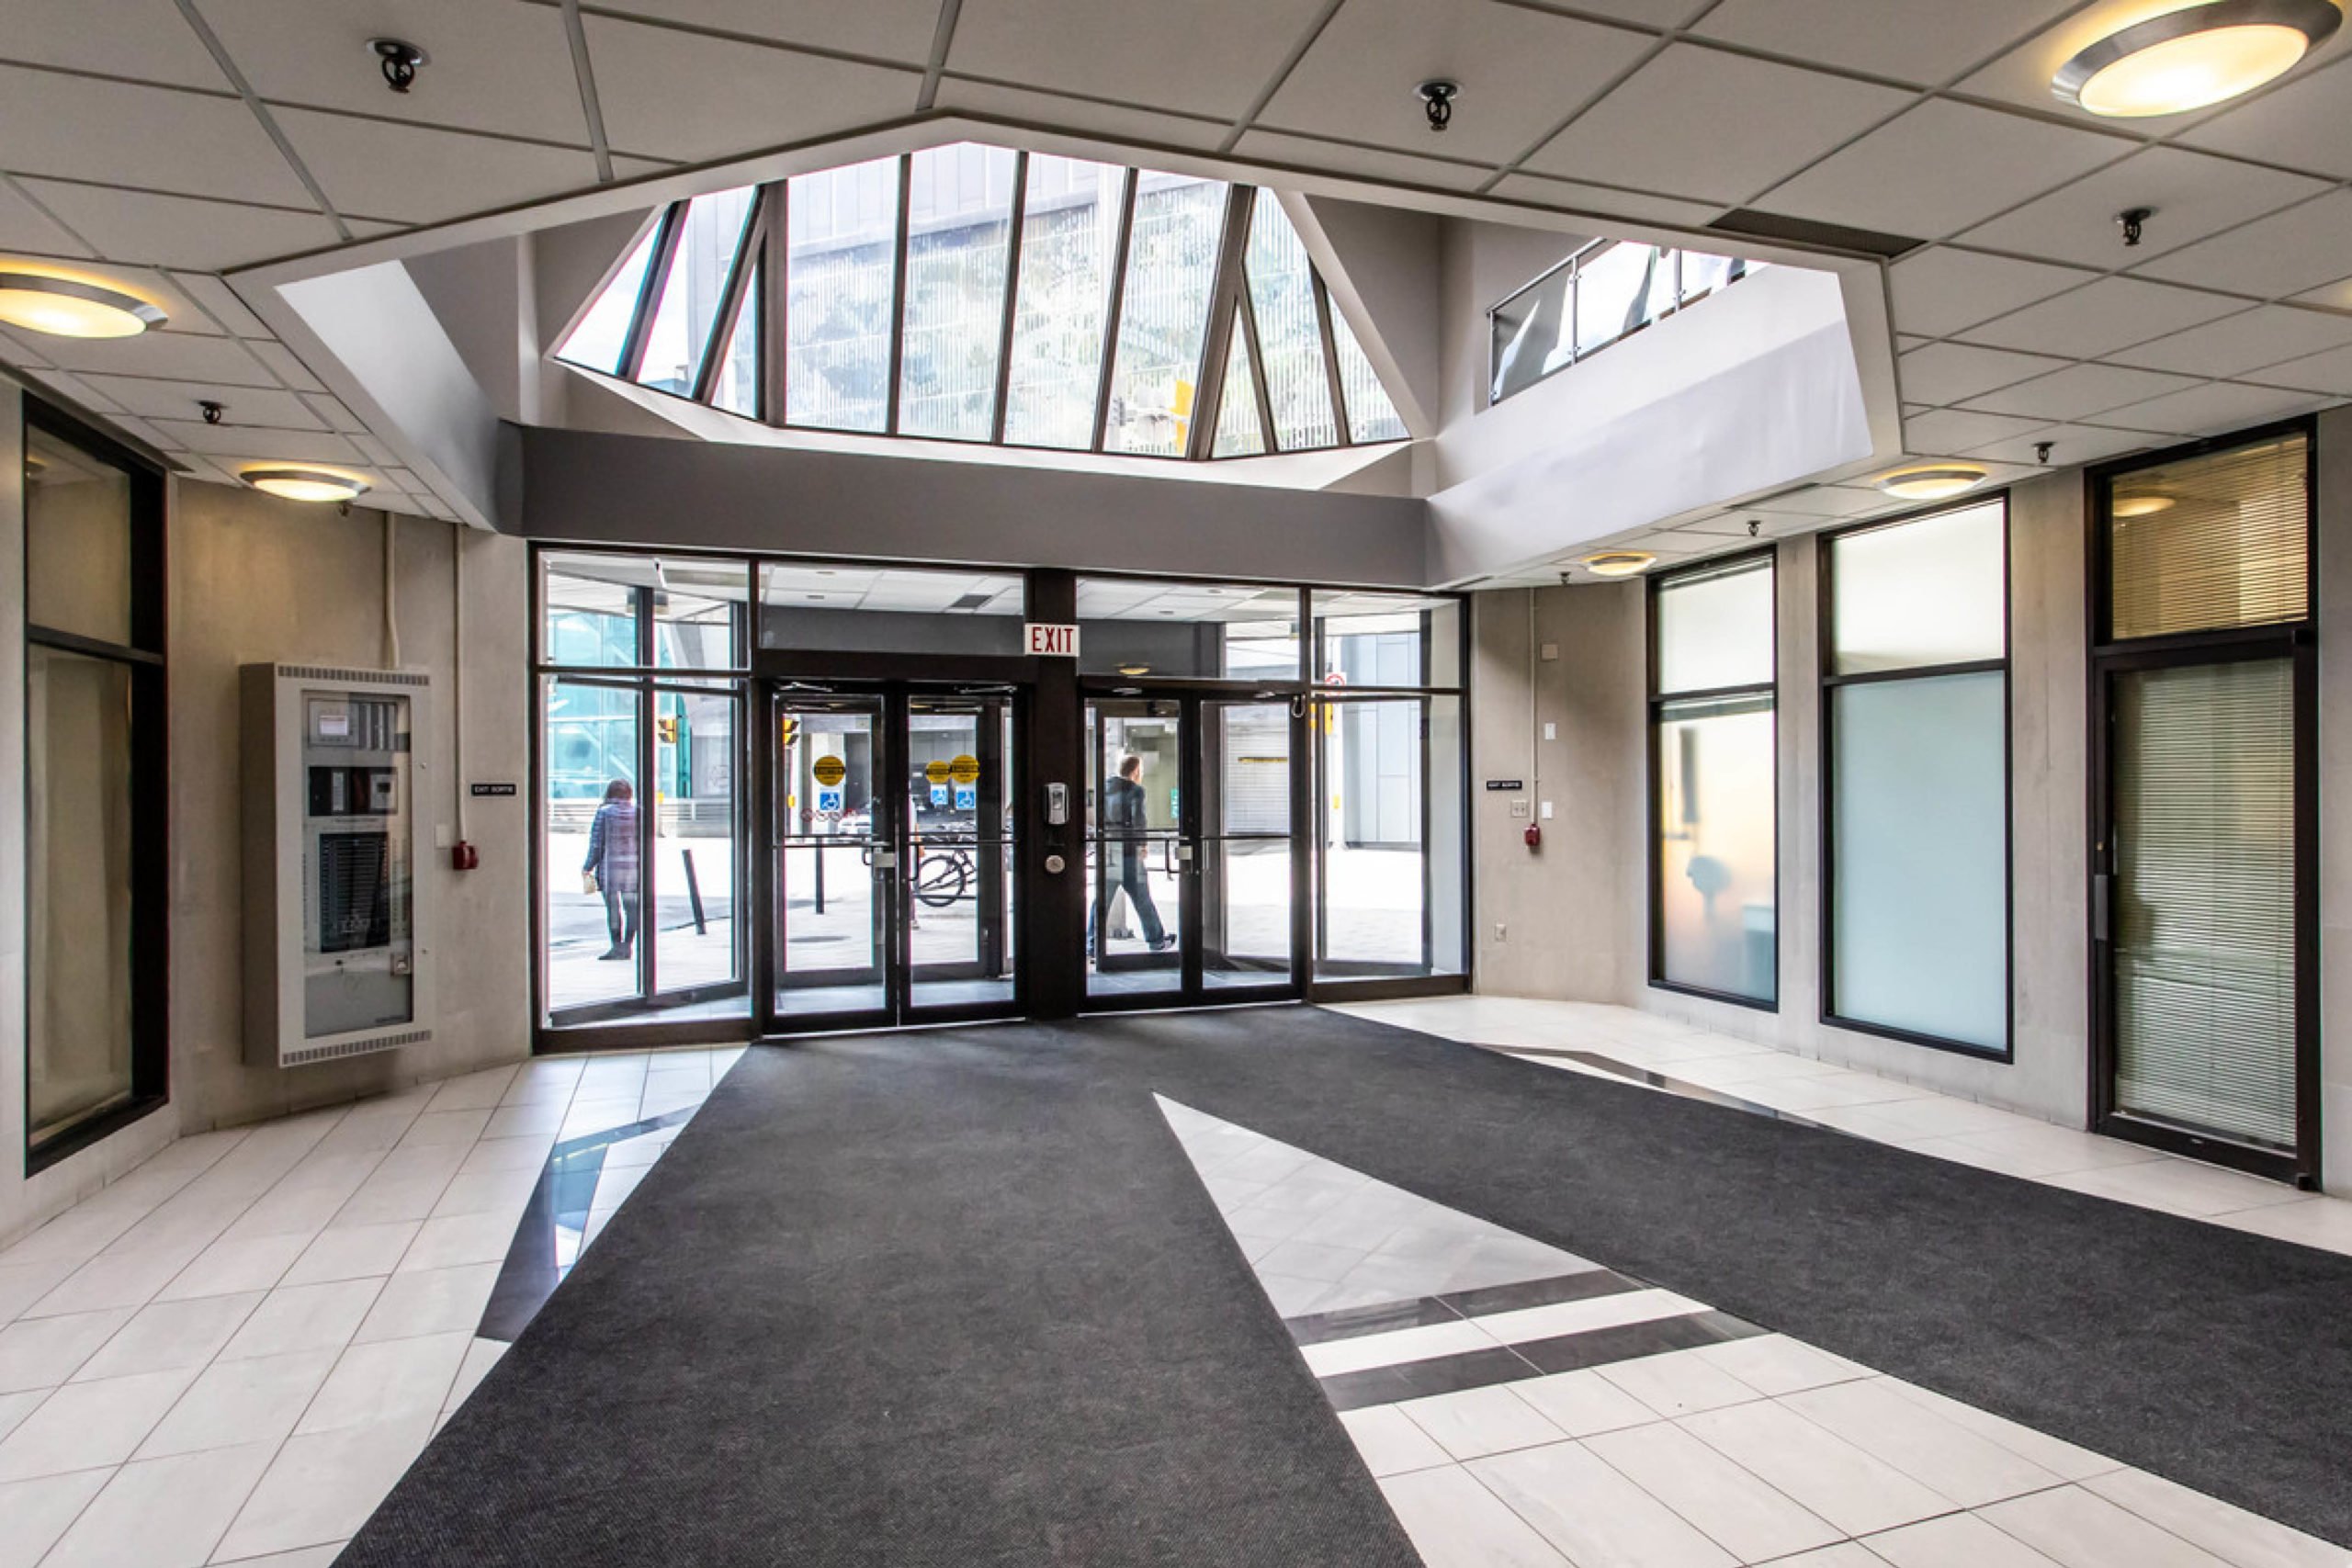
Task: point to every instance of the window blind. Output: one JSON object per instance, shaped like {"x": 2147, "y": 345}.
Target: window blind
{"x": 2213, "y": 541}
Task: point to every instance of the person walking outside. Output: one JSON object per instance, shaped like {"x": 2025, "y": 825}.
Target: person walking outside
{"x": 611, "y": 865}
{"x": 1124, "y": 819}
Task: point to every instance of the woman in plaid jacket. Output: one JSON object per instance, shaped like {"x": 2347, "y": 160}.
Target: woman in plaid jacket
{"x": 612, "y": 861}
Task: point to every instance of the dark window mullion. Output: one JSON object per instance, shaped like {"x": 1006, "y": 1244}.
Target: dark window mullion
{"x": 648, "y": 290}
{"x": 774, "y": 305}
{"x": 1342, "y": 422}
{"x": 1116, "y": 308}
{"x": 748, "y": 249}
{"x": 899, "y": 292}
{"x": 1229, "y": 292}
{"x": 1013, "y": 237}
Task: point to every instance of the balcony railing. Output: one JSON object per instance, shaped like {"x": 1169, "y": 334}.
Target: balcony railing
{"x": 1605, "y": 292}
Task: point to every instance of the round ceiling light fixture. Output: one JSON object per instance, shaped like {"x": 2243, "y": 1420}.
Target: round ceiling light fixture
{"x": 2195, "y": 56}
{"x": 72, "y": 307}
{"x": 1135, "y": 669}
{"x": 2141, "y": 505}
{"x": 305, "y": 484}
{"x": 1931, "y": 481}
{"x": 1618, "y": 563}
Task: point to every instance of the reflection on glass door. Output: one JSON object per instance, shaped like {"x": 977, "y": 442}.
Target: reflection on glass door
{"x": 830, "y": 832}
{"x": 691, "y": 888}
{"x": 1246, "y": 857}
{"x": 1135, "y": 795}
{"x": 1390, "y": 891}
{"x": 594, "y": 845}
{"x": 959, "y": 852}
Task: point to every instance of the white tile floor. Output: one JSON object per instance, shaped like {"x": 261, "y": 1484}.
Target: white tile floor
{"x": 1884, "y": 1110}
{"x": 231, "y": 1354}
{"x": 1760, "y": 1449}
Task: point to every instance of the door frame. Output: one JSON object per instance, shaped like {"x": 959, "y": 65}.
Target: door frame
{"x": 1192, "y": 699}
{"x": 890, "y": 698}
{"x": 2107, "y": 659}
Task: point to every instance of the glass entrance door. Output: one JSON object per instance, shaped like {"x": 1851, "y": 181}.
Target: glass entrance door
{"x": 892, "y": 857}
{"x": 1193, "y": 870}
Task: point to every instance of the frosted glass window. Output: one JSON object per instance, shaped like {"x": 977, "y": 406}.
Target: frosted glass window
{"x": 1613, "y": 291}
{"x": 1919, "y": 857}
{"x": 738, "y": 388}
{"x": 839, "y": 264}
{"x": 1069, "y": 236}
{"x": 1715, "y": 630}
{"x": 78, "y": 544}
{"x": 959, "y": 223}
{"x": 1371, "y": 416}
{"x": 1290, "y": 338}
{"x": 1717, "y": 898}
{"x": 1923, "y": 593}
{"x": 694, "y": 290}
{"x": 2213, "y": 541}
{"x": 1164, "y": 313}
{"x": 1237, "y": 431}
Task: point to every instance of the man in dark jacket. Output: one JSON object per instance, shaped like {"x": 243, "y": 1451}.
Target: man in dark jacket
{"x": 1125, "y": 819}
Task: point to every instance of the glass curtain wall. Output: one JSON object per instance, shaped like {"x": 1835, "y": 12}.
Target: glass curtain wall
{"x": 1714, "y": 794}
{"x": 979, "y": 293}
{"x": 642, "y": 665}
{"x": 95, "y": 816}
{"x": 2203, "y": 850}
{"x": 1915, "y": 702}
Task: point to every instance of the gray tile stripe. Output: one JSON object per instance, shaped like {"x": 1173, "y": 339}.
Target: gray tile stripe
{"x": 1539, "y": 1358}
{"x": 1354, "y": 1323}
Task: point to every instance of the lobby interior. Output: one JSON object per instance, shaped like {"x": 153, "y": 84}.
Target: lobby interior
{"x": 1463, "y": 782}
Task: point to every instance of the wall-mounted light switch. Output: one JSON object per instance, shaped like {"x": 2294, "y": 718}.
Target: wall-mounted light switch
{"x": 1551, "y": 730}
{"x": 1547, "y": 811}
{"x": 1519, "y": 809}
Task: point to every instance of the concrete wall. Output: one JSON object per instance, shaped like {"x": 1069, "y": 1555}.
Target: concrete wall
{"x": 254, "y": 579}
{"x": 1576, "y": 912}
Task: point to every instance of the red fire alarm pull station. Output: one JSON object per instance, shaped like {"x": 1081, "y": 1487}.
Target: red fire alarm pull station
{"x": 1534, "y": 835}
{"x": 463, "y": 856}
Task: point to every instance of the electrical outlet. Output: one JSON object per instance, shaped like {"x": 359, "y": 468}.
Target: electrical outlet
{"x": 1547, "y": 811}
{"x": 1551, "y": 730}
{"x": 1551, "y": 650}
{"x": 1519, "y": 809}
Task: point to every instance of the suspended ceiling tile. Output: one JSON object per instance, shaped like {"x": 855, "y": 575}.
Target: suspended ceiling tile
{"x": 2079, "y": 392}
{"x": 181, "y": 231}
{"x": 1940, "y": 168}
{"x": 2111, "y": 314}
{"x": 175, "y": 356}
{"x": 180, "y": 314}
{"x": 2069, "y": 444}
{"x": 1634, "y": 206}
{"x": 142, "y": 40}
{"x": 75, "y": 388}
{"x": 1948, "y": 431}
{"x": 178, "y": 399}
{"x": 490, "y": 67}
{"x": 1118, "y": 121}
{"x": 2330, "y": 372}
{"x": 1523, "y": 72}
{"x": 26, "y": 230}
{"x": 2281, "y": 254}
{"x": 1662, "y": 128}
{"x": 288, "y": 369}
{"x": 2211, "y": 409}
{"x": 2194, "y": 195}
{"x": 220, "y": 302}
{"x": 1348, "y": 158}
{"x": 1820, "y": 500}
{"x": 1940, "y": 290}
{"x": 372, "y": 449}
{"x": 121, "y": 133}
{"x": 675, "y": 95}
{"x": 246, "y": 443}
{"x": 330, "y": 412}
{"x": 1659, "y": 14}
{"x": 2299, "y": 123}
{"x": 1725, "y": 526}
{"x": 1951, "y": 372}
{"x": 887, "y": 29}
{"x": 1923, "y": 41}
{"x": 21, "y": 348}
{"x": 2246, "y": 342}
{"x": 2336, "y": 295}
{"x": 420, "y": 174}
{"x": 1208, "y": 57}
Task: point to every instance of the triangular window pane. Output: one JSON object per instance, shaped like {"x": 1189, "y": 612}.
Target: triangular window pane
{"x": 1238, "y": 431}
{"x": 597, "y": 343}
{"x": 1164, "y": 312}
{"x": 1282, "y": 288}
{"x": 738, "y": 388}
{"x": 696, "y": 287}
{"x": 959, "y": 223}
{"x": 1371, "y": 416}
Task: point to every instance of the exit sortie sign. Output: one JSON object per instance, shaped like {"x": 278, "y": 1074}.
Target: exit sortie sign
{"x": 1053, "y": 641}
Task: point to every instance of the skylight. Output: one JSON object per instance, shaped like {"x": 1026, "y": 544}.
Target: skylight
{"x": 982, "y": 294}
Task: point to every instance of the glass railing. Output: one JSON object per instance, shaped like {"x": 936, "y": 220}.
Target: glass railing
{"x": 1608, "y": 290}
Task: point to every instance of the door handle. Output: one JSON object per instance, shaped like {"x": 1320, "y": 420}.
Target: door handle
{"x": 884, "y": 859}
{"x": 2102, "y": 896}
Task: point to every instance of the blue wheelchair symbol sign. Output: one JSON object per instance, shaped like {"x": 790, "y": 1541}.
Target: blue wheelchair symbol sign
{"x": 939, "y": 796}
{"x": 829, "y": 800}
{"x": 967, "y": 798}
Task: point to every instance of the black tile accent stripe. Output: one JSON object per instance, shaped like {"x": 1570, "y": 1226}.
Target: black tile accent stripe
{"x": 1656, "y": 1080}
{"x": 1538, "y": 1358}
{"x": 1385, "y": 1317}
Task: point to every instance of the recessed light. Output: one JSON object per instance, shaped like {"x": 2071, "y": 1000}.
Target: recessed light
{"x": 73, "y": 307}
{"x": 1135, "y": 669}
{"x": 2195, "y": 56}
{"x": 305, "y": 484}
{"x": 2141, "y": 505}
{"x": 1618, "y": 563}
{"x": 1931, "y": 481}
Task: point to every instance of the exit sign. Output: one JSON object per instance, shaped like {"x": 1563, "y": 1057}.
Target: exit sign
{"x": 1053, "y": 641}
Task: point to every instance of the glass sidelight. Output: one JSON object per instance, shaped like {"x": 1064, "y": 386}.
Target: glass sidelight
{"x": 1138, "y": 858}
{"x": 959, "y": 852}
{"x": 832, "y": 833}
{"x": 1247, "y": 864}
